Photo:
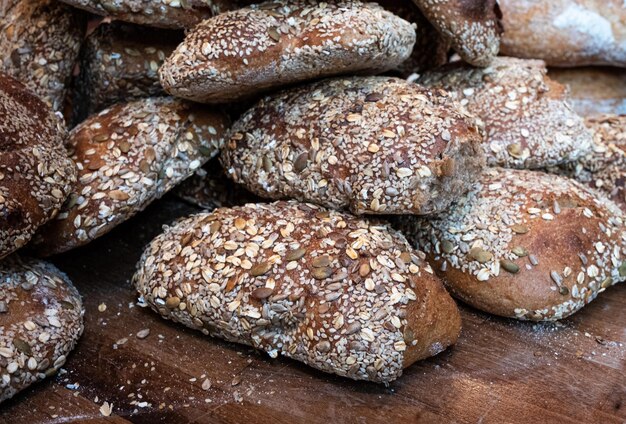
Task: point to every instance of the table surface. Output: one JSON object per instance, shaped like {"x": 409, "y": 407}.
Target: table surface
{"x": 500, "y": 371}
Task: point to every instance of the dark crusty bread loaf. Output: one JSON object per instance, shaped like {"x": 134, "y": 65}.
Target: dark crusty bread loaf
{"x": 339, "y": 293}
{"x": 35, "y": 173}
{"x": 375, "y": 145}
{"x": 472, "y": 26}
{"x": 41, "y": 318}
{"x": 525, "y": 244}
{"x": 119, "y": 62}
{"x": 527, "y": 119}
{"x": 565, "y": 32}
{"x": 210, "y": 188}
{"x": 128, "y": 156}
{"x": 604, "y": 167}
{"x": 39, "y": 44}
{"x": 241, "y": 53}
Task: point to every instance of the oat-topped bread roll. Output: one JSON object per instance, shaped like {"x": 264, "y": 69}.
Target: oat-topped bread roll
{"x": 472, "y": 26}
{"x": 41, "y": 318}
{"x": 525, "y": 244}
{"x": 158, "y": 13}
{"x": 210, "y": 188}
{"x": 128, "y": 156}
{"x": 39, "y": 44}
{"x": 565, "y": 32}
{"x": 35, "y": 173}
{"x": 120, "y": 62}
{"x": 604, "y": 167}
{"x": 527, "y": 119}
{"x": 375, "y": 145}
{"x": 341, "y": 294}
{"x": 241, "y": 53}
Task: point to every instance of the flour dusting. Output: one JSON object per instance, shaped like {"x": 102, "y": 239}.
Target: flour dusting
{"x": 595, "y": 28}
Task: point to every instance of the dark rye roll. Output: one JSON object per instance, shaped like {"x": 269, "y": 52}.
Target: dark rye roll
{"x": 341, "y": 294}
{"x": 41, "y": 318}
{"x": 242, "y": 53}
{"x": 525, "y": 244}
{"x": 375, "y": 145}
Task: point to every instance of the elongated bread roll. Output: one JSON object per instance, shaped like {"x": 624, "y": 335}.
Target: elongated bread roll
{"x": 341, "y": 294}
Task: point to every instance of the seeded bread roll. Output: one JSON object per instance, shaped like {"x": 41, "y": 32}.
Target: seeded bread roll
{"x": 527, "y": 119}
{"x": 525, "y": 244}
{"x": 42, "y": 318}
{"x": 242, "y": 53}
{"x": 341, "y": 294}
{"x": 473, "y": 27}
{"x": 128, "y": 156}
{"x": 566, "y": 32}
{"x": 210, "y": 188}
{"x": 35, "y": 173}
{"x": 375, "y": 145}
{"x": 120, "y": 62}
{"x": 173, "y": 14}
{"x": 604, "y": 168}
{"x": 39, "y": 44}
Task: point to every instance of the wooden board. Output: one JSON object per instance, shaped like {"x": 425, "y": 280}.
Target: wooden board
{"x": 500, "y": 370}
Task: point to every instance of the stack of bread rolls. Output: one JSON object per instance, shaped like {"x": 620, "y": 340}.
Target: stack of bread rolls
{"x": 353, "y": 159}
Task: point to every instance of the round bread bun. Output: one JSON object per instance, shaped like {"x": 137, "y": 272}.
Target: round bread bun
{"x": 525, "y": 244}
{"x": 341, "y": 294}
{"x": 375, "y": 145}
{"x": 35, "y": 173}
{"x": 239, "y": 54}
{"x": 41, "y": 318}
{"x": 128, "y": 156}
{"x": 526, "y": 116}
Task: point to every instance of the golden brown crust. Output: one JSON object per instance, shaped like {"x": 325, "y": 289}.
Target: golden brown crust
{"x": 245, "y": 52}
{"x": 527, "y": 120}
{"x": 128, "y": 156}
{"x": 375, "y": 145}
{"x": 525, "y": 244}
{"x": 35, "y": 173}
{"x": 39, "y": 44}
{"x": 41, "y": 318}
{"x": 565, "y": 32}
{"x": 341, "y": 294}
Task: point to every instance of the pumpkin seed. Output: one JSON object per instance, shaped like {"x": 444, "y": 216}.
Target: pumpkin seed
{"x": 22, "y": 346}
{"x": 480, "y": 255}
{"x": 509, "y": 266}
{"x": 262, "y": 293}
{"x": 520, "y": 251}
{"x": 321, "y": 273}
{"x": 294, "y": 255}
{"x": 519, "y": 229}
{"x": 260, "y": 269}
{"x": 447, "y": 246}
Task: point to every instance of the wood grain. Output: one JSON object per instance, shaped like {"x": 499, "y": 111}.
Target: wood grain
{"x": 500, "y": 371}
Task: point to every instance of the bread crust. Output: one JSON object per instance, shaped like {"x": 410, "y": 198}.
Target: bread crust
{"x": 525, "y": 245}
{"x": 527, "y": 120}
{"x": 375, "y": 145}
{"x": 241, "y": 53}
{"x": 41, "y": 319}
{"x": 472, "y": 26}
{"x": 565, "y": 32}
{"x": 339, "y": 293}
{"x": 128, "y": 156}
{"x": 39, "y": 43}
{"x": 35, "y": 173}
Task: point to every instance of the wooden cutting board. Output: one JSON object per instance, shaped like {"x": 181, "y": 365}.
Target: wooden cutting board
{"x": 500, "y": 371}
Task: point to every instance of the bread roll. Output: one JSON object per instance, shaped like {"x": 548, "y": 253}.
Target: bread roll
{"x": 525, "y": 245}
{"x": 42, "y": 318}
{"x": 375, "y": 145}
{"x": 35, "y": 173}
{"x": 604, "y": 168}
{"x": 39, "y": 44}
{"x": 473, "y": 27}
{"x": 210, "y": 188}
{"x": 527, "y": 119}
{"x": 341, "y": 294}
{"x": 242, "y": 53}
{"x": 120, "y": 62}
{"x": 565, "y": 32}
{"x": 128, "y": 156}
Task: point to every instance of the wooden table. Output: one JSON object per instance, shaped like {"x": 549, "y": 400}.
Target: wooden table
{"x": 500, "y": 370}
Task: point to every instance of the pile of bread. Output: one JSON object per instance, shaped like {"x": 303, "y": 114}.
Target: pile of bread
{"x": 361, "y": 169}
